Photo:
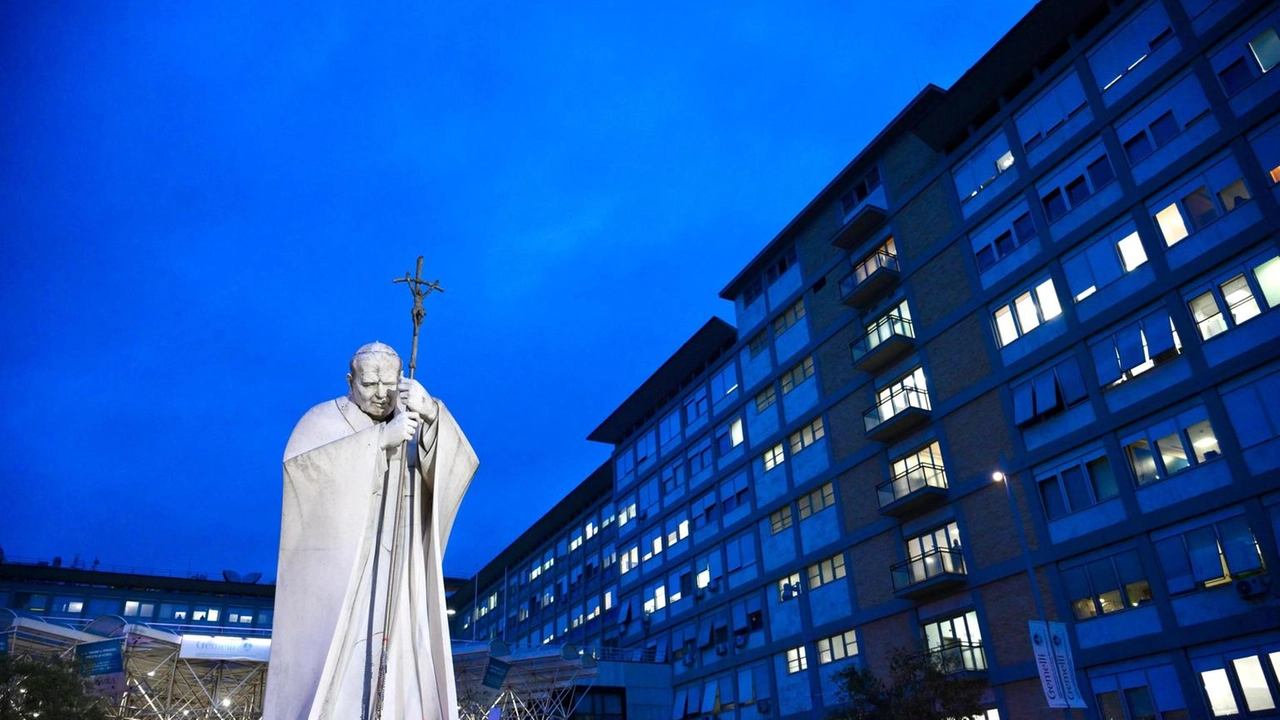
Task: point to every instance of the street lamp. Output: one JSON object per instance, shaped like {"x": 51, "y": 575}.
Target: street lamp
{"x": 999, "y": 477}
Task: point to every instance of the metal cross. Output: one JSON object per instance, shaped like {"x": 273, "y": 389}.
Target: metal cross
{"x": 416, "y": 286}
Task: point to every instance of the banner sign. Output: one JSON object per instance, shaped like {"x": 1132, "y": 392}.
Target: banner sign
{"x": 208, "y": 647}
{"x": 1054, "y": 664}
{"x": 102, "y": 663}
{"x": 495, "y": 674}
{"x": 1065, "y": 663}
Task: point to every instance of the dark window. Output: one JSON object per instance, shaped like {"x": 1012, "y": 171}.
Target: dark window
{"x": 1100, "y": 172}
{"x": 1164, "y": 129}
{"x": 1160, "y": 39}
{"x": 1200, "y": 208}
{"x": 1005, "y": 245}
{"x": 1051, "y": 491}
{"x": 1024, "y": 228}
{"x": 986, "y": 258}
{"x": 1235, "y": 77}
{"x": 1077, "y": 191}
{"x": 1054, "y": 205}
{"x": 1137, "y": 147}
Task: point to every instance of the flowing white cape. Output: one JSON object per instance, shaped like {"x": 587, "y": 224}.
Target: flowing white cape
{"x": 335, "y": 579}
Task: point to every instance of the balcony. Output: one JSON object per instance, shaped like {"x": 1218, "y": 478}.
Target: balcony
{"x": 930, "y": 573}
{"x": 889, "y": 339}
{"x": 871, "y": 279}
{"x": 919, "y": 488}
{"x": 902, "y": 411}
{"x": 956, "y": 657}
{"x": 865, "y": 220}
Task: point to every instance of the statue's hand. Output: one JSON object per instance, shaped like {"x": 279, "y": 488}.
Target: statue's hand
{"x": 402, "y": 428}
{"x": 415, "y": 398}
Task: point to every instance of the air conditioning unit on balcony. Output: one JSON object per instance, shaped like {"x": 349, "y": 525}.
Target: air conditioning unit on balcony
{"x": 688, "y": 659}
{"x": 739, "y": 641}
{"x": 722, "y": 649}
{"x": 1255, "y": 586}
{"x": 714, "y": 585}
{"x": 700, "y": 593}
{"x": 646, "y": 619}
{"x": 764, "y": 707}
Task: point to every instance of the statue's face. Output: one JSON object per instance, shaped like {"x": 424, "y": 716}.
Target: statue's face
{"x": 374, "y": 385}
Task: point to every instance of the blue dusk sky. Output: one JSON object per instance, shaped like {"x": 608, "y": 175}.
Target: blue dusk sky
{"x": 203, "y": 206}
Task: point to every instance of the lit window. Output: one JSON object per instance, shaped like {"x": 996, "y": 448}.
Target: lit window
{"x": 1209, "y": 556}
{"x": 780, "y": 519}
{"x": 1266, "y": 49}
{"x": 766, "y": 398}
{"x": 1104, "y": 261}
{"x": 1171, "y": 225}
{"x": 796, "y": 661}
{"x": 1106, "y": 586}
{"x": 930, "y": 555}
{"x": 837, "y": 647}
{"x": 956, "y": 643}
{"x": 729, "y": 436}
{"x": 920, "y": 469}
{"x": 789, "y": 587}
{"x": 1026, "y": 312}
{"x": 773, "y": 457}
{"x": 1205, "y": 196}
{"x": 982, "y": 167}
{"x": 806, "y": 436}
{"x": 788, "y": 318}
{"x": 1172, "y": 446}
{"x": 1135, "y": 349}
{"x": 1240, "y": 298}
{"x": 1266, "y": 145}
{"x": 817, "y": 500}
{"x": 826, "y": 571}
{"x": 802, "y": 371}
{"x": 885, "y": 256}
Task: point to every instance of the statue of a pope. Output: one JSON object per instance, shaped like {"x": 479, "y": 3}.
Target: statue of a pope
{"x": 360, "y": 627}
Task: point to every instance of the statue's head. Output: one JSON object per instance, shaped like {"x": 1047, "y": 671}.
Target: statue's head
{"x": 374, "y": 379}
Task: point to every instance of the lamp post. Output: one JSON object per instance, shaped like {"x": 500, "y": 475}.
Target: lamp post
{"x": 999, "y": 477}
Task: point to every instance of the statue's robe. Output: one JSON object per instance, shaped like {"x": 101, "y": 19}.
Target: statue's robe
{"x": 336, "y": 581}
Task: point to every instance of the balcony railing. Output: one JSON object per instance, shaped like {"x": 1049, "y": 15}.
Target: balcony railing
{"x": 869, "y": 279}
{"x": 925, "y": 478}
{"x": 882, "y": 342}
{"x": 929, "y": 567}
{"x": 903, "y": 409}
{"x": 955, "y": 656}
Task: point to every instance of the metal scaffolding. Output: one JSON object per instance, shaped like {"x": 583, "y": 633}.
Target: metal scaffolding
{"x": 159, "y": 683}
{"x": 545, "y": 683}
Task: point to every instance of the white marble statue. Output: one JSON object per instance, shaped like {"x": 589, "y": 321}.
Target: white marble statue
{"x": 361, "y": 540}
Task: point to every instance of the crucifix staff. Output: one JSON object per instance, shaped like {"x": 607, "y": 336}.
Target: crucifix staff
{"x": 408, "y": 460}
{"x": 419, "y": 313}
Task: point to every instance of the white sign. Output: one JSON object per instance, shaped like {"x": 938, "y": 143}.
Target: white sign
{"x": 1054, "y": 664}
{"x": 208, "y": 647}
